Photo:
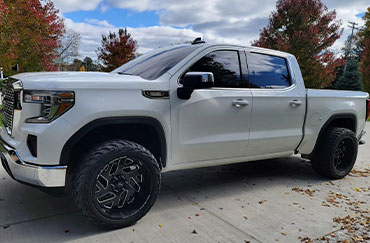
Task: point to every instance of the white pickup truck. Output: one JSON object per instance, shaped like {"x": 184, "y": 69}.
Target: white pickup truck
{"x": 110, "y": 135}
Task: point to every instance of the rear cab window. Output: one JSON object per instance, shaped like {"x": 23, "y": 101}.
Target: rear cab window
{"x": 268, "y": 71}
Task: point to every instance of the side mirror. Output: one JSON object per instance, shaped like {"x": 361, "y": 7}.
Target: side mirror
{"x": 194, "y": 80}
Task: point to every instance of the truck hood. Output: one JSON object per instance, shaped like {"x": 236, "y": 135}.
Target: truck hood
{"x": 85, "y": 80}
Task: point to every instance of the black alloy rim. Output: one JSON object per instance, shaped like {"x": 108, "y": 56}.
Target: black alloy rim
{"x": 343, "y": 154}
{"x": 122, "y": 188}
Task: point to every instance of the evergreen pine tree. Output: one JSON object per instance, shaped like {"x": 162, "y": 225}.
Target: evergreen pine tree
{"x": 348, "y": 75}
{"x": 351, "y": 78}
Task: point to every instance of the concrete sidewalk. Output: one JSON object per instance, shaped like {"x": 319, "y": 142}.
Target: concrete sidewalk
{"x": 266, "y": 201}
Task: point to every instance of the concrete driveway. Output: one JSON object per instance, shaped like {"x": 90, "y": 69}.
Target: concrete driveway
{"x": 274, "y": 200}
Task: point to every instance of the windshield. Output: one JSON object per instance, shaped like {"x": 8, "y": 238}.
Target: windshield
{"x": 155, "y": 63}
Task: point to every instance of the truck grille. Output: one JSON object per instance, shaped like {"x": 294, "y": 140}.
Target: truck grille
{"x": 10, "y": 101}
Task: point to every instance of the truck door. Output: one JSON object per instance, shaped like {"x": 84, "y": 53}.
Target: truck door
{"x": 214, "y": 123}
{"x": 278, "y": 105}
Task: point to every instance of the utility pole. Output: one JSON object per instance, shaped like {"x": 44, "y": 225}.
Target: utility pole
{"x": 352, "y": 25}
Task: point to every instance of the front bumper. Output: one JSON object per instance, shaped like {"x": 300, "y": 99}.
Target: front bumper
{"x": 50, "y": 176}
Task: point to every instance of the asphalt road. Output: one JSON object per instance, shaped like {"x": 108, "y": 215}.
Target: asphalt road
{"x": 274, "y": 200}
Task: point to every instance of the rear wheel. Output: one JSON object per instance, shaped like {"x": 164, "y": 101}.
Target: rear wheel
{"x": 336, "y": 153}
{"x": 117, "y": 184}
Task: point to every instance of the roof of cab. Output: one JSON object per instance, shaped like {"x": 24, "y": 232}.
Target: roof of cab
{"x": 249, "y": 48}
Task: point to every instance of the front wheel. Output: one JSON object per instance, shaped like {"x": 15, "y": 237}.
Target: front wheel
{"x": 336, "y": 153}
{"x": 117, "y": 184}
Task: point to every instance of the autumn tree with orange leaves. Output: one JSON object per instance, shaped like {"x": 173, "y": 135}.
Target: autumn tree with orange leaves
{"x": 116, "y": 49}
{"x": 364, "y": 36}
{"x": 305, "y": 28}
{"x": 30, "y": 34}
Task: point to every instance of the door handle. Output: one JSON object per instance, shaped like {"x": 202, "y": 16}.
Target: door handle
{"x": 238, "y": 103}
{"x": 295, "y": 103}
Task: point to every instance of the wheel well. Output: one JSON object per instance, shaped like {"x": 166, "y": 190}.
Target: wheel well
{"x": 340, "y": 120}
{"x": 143, "y": 132}
{"x": 348, "y": 123}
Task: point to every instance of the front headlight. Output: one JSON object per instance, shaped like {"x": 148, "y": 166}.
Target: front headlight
{"x": 53, "y": 104}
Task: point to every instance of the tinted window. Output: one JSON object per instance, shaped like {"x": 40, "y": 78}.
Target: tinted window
{"x": 268, "y": 72}
{"x": 154, "y": 64}
{"x": 224, "y": 65}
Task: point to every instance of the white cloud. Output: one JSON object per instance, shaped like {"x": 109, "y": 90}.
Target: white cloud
{"x": 104, "y": 8}
{"x": 183, "y": 13}
{"x": 74, "y": 5}
{"x": 102, "y": 23}
{"x": 347, "y": 11}
{"x": 232, "y": 21}
{"x": 148, "y": 38}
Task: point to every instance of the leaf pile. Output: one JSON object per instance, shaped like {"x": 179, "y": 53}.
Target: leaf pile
{"x": 305, "y": 239}
{"x": 356, "y": 227}
{"x": 358, "y": 173}
{"x": 309, "y": 192}
{"x": 332, "y": 198}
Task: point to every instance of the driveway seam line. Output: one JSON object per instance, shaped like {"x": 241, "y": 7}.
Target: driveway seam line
{"x": 215, "y": 215}
{"x": 36, "y": 219}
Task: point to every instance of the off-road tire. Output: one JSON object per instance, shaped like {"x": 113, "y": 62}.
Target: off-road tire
{"x": 324, "y": 159}
{"x": 98, "y": 158}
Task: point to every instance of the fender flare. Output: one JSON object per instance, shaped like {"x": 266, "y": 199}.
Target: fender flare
{"x": 77, "y": 136}
{"x": 330, "y": 120}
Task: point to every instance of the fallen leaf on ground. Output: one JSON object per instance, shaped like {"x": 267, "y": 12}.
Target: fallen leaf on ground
{"x": 305, "y": 239}
{"x": 324, "y": 204}
{"x": 309, "y": 192}
{"x": 358, "y": 173}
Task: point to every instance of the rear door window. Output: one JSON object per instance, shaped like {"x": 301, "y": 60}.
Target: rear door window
{"x": 268, "y": 72}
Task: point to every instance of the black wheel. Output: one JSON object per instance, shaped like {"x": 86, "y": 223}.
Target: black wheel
{"x": 336, "y": 153}
{"x": 117, "y": 184}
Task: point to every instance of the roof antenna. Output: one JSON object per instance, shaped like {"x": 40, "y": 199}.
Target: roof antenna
{"x": 198, "y": 40}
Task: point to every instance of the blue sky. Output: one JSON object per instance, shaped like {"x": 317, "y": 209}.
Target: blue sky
{"x": 117, "y": 17}
{"x": 155, "y": 23}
